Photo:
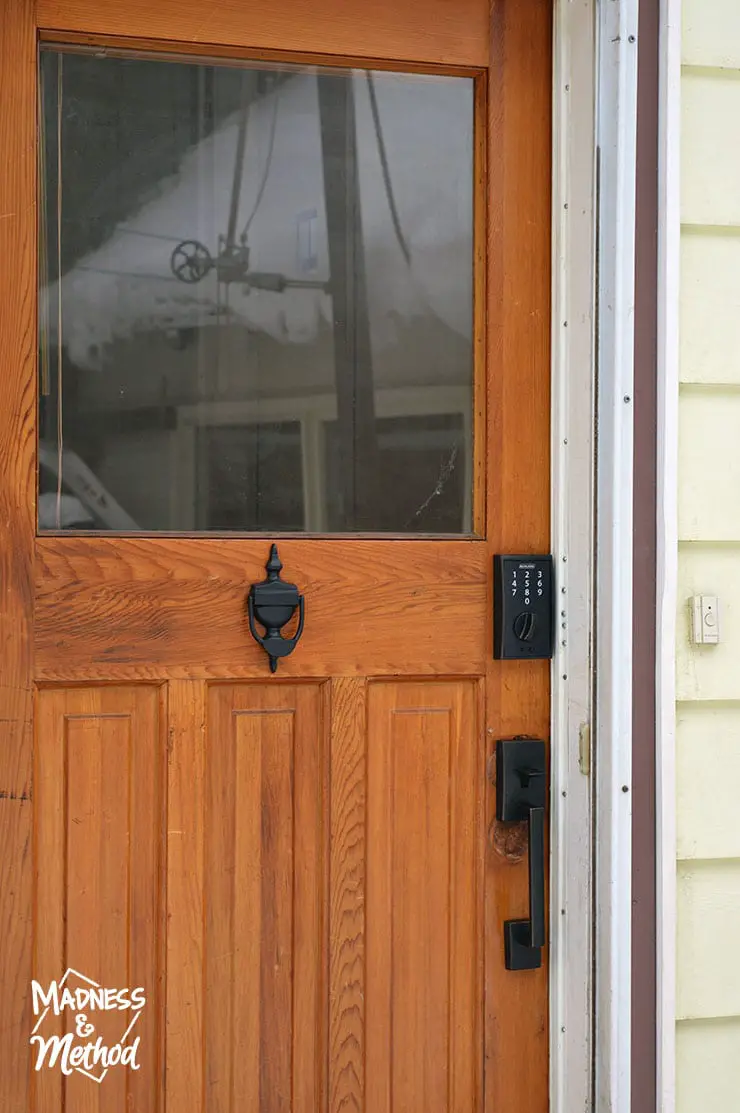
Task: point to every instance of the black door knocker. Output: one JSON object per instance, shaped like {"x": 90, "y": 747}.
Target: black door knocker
{"x": 273, "y": 603}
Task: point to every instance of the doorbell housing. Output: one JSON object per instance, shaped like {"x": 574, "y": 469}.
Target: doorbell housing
{"x": 523, "y": 604}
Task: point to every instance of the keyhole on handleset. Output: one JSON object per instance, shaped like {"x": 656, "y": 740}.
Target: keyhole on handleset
{"x": 524, "y": 626}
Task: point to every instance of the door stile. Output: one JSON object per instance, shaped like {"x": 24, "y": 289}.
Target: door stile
{"x": 348, "y": 822}
{"x": 518, "y": 466}
{"x": 17, "y": 504}
{"x": 186, "y": 942}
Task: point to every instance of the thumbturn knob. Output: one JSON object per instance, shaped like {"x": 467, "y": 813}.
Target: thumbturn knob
{"x": 524, "y": 626}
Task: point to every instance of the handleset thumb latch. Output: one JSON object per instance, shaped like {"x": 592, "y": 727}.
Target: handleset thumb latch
{"x": 521, "y": 793}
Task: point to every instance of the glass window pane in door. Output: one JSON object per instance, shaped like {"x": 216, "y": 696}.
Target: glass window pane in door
{"x": 237, "y": 259}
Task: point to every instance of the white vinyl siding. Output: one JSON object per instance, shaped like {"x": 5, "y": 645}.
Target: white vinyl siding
{"x": 708, "y": 782}
{"x": 708, "y": 1065}
{"x": 711, "y": 33}
{"x": 710, "y": 305}
{"x": 708, "y": 677}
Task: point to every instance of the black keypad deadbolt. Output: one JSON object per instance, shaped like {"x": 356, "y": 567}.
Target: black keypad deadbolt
{"x": 522, "y": 607}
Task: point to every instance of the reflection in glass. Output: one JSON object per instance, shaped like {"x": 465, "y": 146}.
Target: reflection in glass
{"x": 416, "y": 463}
{"x": 256, "y": 301}
{"x": 250, "y": 477}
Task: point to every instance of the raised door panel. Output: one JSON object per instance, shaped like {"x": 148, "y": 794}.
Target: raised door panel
{"x": 423, "y": 953}
{"x": 264, "y": 898}
{"x": 98, "y": 810}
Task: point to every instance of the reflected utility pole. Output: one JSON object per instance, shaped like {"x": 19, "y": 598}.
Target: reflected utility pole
{"x": 353, "y": 367}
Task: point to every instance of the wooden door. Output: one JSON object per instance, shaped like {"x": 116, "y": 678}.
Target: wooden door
{"x": 302, "y": 870}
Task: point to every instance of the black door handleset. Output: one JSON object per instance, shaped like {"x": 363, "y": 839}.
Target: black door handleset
{"x": 521, "y": 793}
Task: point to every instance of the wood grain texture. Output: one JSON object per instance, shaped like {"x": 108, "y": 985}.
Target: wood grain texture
{"x": 347, "y": 895}
{"x": 251, "y": 57}
{"x": 17, "y": 397}
{"x": 98, "y": 806}
{"x": 518, "y": 699}
{"x": 184, "y": 1066}
{"x": 424, "y": 759}
{"x": 264, "y": 984}
{"x": 435, "y": 31}
{"x": 117, "y": 608}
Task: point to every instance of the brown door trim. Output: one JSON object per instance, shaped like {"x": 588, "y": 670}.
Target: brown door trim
{"x": 644, "y": 1019}
{"x": 17, "y": 499}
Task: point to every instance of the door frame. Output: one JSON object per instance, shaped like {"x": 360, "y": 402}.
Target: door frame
{"x": 594, "y": 166}
{"x": 572, "y": 518}
{"x": 667, "y": 536}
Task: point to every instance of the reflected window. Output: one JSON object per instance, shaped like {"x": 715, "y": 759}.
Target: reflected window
{"x": 250, "y": 478}
{"x": 256, "y": 298}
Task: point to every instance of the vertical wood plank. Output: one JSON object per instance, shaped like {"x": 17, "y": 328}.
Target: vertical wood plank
{"x": 423, "y": 1037}
{"x": 421, "y": 958}
{"x": 379, "y": 902}
{"x": 50, "y": 893}
{"x": 184, "y": 1085}
{"x": 517, "y": 692}
{"x": 467, "y": 771}
{"x": 98, "y": 810}
{"x": 347, "y": 896}
{"x": 219, "y": 872}
{"x": 96, "y": 830}
{"x": 269, "y": 738}
{"x": 264, "y": 951}
{"x": 252, "y": 861}
{"x": 310, "y": 896}
{"x": 17, "y": 447}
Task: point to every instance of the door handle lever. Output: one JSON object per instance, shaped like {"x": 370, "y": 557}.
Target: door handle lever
{"x": 520, "y": 795}
{"x": 536, "y": 828}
